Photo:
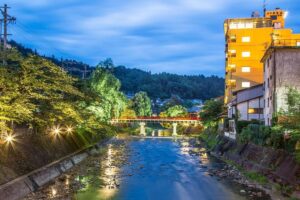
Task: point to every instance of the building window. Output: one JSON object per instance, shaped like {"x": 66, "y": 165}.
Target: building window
{"x": 231, "y": 68}
{"x": 231, "y": 83}
{"x": 245, "y": 84}
{"x": 246, "y": 54}
{"x": 232, "y": 38}
{"x": 246, "y": 69}
{"x": 246, "y": 39}
{"x": 232, "y": 53}
{"x": 255, "y": 111}
{"x": 240, "y": 25}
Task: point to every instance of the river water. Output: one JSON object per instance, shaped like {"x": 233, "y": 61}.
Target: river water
{"x": 142, "y": 169}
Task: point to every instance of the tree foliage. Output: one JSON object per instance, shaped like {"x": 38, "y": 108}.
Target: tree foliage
{"x": 36, "y": 91}
{"x": 211, "y": 110}
{"x": 141, "y": 104}
{"x": 175, "y": 111}
{"x": 164, "y": 85}
{"x": 108, "y": 101}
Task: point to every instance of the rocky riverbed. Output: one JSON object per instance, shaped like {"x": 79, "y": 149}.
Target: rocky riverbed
{"x": 143, "y": 168}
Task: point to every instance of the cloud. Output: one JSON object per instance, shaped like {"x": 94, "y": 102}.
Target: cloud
{"x": 178, "y": 36}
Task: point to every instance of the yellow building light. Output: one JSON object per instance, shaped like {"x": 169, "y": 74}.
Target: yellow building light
{"x": 251, "y": 110}
{"x": 247, "y": 41}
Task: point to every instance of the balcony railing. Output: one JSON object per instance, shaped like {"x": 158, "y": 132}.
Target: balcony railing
{"x": 286, "y": 43}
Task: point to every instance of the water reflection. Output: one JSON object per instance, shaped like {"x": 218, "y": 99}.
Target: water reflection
{"x": 141, "y": 169}
{"x": 103, "y": 185}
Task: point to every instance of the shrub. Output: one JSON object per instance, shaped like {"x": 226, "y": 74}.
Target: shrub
{"x": 258, "y": 134}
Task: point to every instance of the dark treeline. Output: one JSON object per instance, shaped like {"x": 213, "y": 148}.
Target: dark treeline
{"x": 162, "y": 85}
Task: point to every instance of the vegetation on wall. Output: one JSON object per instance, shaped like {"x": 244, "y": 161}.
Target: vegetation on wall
{"x": 285, "y": 131}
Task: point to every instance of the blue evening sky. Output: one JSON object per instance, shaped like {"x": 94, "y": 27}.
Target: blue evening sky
{"x": 176, "y": 36}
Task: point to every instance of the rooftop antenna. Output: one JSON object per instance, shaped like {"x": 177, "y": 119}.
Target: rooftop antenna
{"x": 265, "y": 7}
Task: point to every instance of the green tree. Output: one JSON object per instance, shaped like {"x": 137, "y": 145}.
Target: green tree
{"x": 108, "y": 101}
{"x": 175, "y": 111}
{"x": 141, "y": 104}
{"x": 290, "y": 118}
{"x": 211, "y": 111}
{"x": 36, "y": 91}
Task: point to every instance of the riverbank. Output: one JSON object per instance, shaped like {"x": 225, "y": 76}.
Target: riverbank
{"x": 147, "y": 168}
{"x": 272, "y": 171}
{"x": 29, "y": 153}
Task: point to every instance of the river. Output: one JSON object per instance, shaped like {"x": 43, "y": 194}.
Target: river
{"x": 142, "y": 169}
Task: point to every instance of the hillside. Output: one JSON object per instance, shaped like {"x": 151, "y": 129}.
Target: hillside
{"x": 162, "y": 85}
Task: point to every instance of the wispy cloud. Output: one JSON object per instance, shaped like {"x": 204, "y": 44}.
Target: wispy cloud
{"x": 179, "y": 36}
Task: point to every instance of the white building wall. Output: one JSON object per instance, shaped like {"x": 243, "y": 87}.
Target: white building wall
{"x": 243, "y": 111}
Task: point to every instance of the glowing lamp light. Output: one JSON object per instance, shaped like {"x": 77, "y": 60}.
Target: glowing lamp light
{"x": 69, "y": 129}
{"x": 9, "y": 138}
{"x": 56, "y": 131}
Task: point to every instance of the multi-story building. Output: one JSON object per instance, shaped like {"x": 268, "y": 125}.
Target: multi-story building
{"x": 247, "y": 40}
{"x": 281, "y": 71}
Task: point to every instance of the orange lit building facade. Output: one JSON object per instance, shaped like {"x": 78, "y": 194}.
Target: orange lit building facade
{"x": 247, "y": 40}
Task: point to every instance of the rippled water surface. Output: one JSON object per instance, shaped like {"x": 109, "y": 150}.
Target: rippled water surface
{"x": 136, "y": 168}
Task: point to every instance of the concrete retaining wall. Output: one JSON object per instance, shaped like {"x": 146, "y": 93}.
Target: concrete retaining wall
{"x": 20, "y": 187}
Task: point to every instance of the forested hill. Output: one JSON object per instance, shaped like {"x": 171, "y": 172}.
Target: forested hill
{"x": 164, "y": 85}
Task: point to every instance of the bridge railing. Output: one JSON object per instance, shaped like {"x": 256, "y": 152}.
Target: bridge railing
{"x": 159, "y": 118}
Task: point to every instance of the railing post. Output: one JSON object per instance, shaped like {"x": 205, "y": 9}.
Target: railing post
{"x": 142, "y": 129}
{"x": 174, "y": 129}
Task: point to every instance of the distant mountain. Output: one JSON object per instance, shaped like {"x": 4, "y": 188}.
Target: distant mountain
{"x": 162, "y": 85}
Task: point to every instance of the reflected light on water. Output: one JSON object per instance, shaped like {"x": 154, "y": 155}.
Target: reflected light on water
{"x": 53, "y": 192}
{"x": 204, "y": 158}
{"x": 67, "y": 182}
{"x": 110, "y": 171}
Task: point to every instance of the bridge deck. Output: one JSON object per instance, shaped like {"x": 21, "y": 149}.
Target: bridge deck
{"x": 158, "y": 120}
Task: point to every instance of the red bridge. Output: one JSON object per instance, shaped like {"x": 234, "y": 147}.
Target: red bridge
{"x": 143, "y": 120}
{"x": 191, "y": 120}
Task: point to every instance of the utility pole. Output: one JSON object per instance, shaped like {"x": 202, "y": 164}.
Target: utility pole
{"x": 6, "y": 20}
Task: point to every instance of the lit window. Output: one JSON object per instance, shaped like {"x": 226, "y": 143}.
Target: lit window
{"x": 245, "y": 69}
{"x": 232, "y": 38}
{"x": 245, "y": 54}
{"x": 255, "y": 111}
{"x": 232, "y": 53}
{"x": 249, "y": 25}
{"x": 251, "y": 110}
{"x": 245, "y": 84}
{"x": 245, "y": 39}
{"x": 231, "y": 67}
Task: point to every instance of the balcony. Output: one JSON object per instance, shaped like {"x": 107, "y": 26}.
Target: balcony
{"x": 231, "y": 83}
{"x": 286, "y": 43}
{"x": 231, "y": 68}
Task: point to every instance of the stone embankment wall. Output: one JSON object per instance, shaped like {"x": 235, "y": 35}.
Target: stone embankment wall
{"x": 277, "y": 165}
{"x": 40, "y": 156}
{"x": 21, "y": 186}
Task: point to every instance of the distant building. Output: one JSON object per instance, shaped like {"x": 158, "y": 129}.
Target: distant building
{"x": 194, "y": 111}
{"x": 281, "y": 70}
{"x": 247, "y": 40}
{"x": 248, "y": 104}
